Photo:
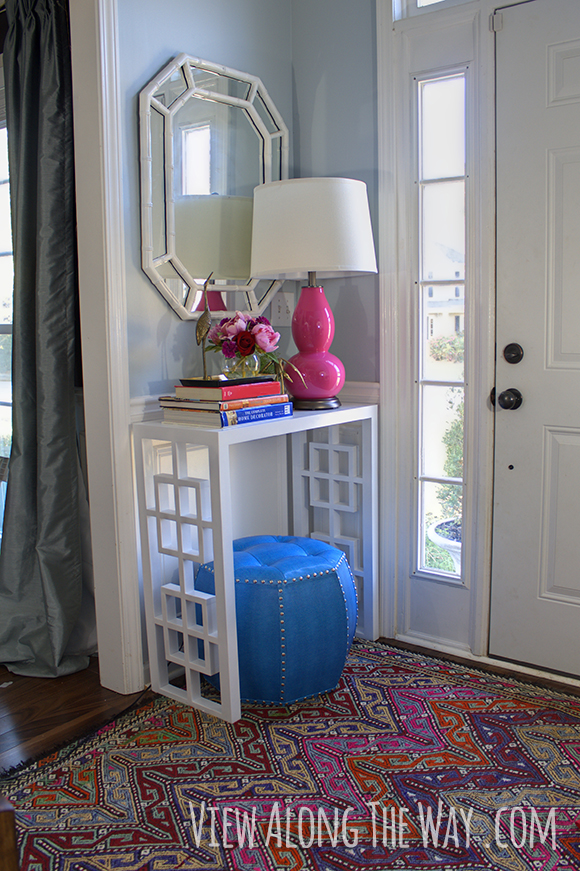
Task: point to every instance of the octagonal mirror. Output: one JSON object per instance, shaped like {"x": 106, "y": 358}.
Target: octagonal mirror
{"x": 208, "y": 136}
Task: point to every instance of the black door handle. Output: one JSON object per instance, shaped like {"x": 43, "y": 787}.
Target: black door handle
{"x": 510, "y": 399}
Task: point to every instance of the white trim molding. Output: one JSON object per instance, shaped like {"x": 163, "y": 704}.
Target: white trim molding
{"x": 361, "y": 392}
{"x": 437, "y": 40}
{"x": 98, "y": 116}
{"x": 391, "y": 342}
{"x": 145, "y": 408}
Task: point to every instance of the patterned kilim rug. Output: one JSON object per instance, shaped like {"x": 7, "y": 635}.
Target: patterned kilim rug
{"x": 412, "y": 762}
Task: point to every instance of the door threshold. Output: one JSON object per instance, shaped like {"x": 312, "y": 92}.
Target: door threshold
{"x": 493, "y": 665}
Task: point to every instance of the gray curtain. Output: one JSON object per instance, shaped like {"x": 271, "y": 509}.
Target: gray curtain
{"x": 41, "y": 559}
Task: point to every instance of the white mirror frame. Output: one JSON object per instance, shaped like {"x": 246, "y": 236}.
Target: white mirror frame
{"x": 254, "y": 303}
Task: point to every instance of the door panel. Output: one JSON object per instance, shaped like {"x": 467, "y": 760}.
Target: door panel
{"x": 535, "y": 600}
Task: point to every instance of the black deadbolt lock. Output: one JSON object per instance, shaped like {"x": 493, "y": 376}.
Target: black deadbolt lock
{"x": 513, "y": 353}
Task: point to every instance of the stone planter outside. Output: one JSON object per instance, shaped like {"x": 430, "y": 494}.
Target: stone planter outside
{"x": 447, "y": 534}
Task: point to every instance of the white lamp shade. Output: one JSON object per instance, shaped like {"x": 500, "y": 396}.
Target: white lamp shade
{"x": 304, "y": 225}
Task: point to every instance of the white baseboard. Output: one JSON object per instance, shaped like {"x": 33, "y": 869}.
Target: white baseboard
{"x": 363, "y": 392}
{"x": 145, "y": 408}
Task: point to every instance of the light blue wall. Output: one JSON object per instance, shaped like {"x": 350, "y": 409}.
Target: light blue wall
{"x": 335, "y": 134}
{"x": 317, "y": 59}
{"x": 250, "y": 35}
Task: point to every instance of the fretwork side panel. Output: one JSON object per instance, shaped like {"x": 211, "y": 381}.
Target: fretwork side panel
{"x": 334, "y": 493}
{"x": 176, "y": 511}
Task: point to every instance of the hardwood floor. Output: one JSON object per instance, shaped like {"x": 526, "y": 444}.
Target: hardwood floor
{"x": 39, "y": 714}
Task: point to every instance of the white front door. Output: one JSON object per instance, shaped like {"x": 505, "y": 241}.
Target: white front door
{"x": 535, "y": 598}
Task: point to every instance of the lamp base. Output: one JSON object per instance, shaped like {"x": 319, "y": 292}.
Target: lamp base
{"x": 314, "y": 376}
{"x": 316, "y": 404}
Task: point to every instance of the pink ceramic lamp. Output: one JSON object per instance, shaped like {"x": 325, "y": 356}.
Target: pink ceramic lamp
{"x": 301, "y": 228}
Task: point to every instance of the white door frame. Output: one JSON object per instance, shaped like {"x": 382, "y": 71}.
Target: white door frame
{"x": 399, "y": 52}
{"x": 98, "y": 136}
{"x": 435, "y": 38}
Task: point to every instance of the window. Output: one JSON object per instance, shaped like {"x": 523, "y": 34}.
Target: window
{"x": 6, "y": 295}
{"x": 196, "y": 149}
{"x": 441, "y": 181}
{"x": 407, "y": 8}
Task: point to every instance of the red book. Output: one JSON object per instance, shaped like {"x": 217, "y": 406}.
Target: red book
{"x": 233, "y": 391}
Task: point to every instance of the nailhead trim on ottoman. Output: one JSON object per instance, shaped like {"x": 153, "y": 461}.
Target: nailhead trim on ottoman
{"x": 296, "y": 612}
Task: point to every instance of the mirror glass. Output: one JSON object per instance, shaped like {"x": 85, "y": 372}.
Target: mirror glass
{"x": 209, "y": 136}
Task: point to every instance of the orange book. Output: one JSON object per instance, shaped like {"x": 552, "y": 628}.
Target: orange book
{"x": 221, "y": 405}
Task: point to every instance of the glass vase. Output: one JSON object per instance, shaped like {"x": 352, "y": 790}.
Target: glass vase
{"x": 241, "y": 367}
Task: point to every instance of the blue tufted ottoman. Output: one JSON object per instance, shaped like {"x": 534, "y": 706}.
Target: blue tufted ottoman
{"x": 296, "y": 613}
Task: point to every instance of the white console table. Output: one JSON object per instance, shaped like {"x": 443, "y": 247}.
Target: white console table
{"x": 314, "y": 474}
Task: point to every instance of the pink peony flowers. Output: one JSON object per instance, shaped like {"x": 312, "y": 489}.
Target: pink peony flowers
{"x": 241, "y": 340}
{"x": 242, "y": 336}
{"x": 266, "y": 339}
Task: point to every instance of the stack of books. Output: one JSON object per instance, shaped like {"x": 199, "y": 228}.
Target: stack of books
{"x": 217, "y": 403}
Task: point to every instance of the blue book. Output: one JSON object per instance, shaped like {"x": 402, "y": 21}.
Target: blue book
{"x": 259, "y": 412}
{"x": 216, "y": 418}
